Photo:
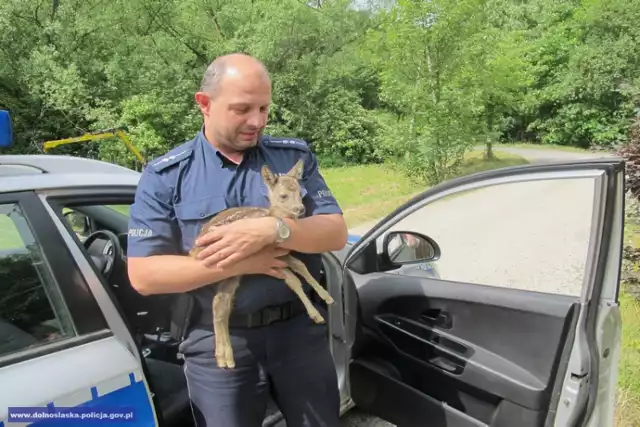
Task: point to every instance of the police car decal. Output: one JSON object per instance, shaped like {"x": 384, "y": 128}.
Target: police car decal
{"x": 128, "y": 402}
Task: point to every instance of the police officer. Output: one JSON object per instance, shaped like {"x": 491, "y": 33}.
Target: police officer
{"x": 277, "y": 348}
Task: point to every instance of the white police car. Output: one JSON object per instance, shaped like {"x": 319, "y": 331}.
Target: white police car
{"x": 414, "y": 347}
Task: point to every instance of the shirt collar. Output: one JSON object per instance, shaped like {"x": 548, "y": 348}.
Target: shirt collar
{"x": 206, "y": 145}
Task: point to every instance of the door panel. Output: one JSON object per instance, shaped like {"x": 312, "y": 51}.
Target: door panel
{"x": 484, "y": 336}
{"x": 445, "y": 340}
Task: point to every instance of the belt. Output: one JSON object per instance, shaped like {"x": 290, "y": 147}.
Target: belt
{"x": 267, "y": 315}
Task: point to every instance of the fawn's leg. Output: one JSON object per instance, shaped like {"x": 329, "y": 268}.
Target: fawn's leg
{"x": 298, "y": 266}
{"x": 222, "y": 303}
{"x": 296, "y": 286}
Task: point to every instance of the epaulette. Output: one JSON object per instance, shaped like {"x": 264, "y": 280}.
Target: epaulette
{"x": 167, "y": 160}
{"x": 285, "y": 142}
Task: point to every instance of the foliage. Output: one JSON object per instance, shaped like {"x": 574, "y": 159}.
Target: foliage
{"x": 414, "y": 82}
{"x": 584, "y": 56}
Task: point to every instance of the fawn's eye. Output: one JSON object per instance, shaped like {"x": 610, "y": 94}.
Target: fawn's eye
{"x": 284, "y": 196}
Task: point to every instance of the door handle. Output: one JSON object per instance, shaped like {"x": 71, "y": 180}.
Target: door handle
{"x": 437, "y": 317}
{"x": 446, "y": 364}
{"x": 431, "y": 315}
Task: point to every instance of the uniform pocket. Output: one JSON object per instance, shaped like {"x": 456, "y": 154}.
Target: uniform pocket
{"x": 192, "y": 215}
{"x": 201, "y": 209}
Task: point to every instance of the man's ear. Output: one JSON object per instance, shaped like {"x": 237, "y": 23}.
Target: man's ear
{"x": 268, "y": 176}
{"x": 296, "y": 170}
{"x": 204, "y": 102}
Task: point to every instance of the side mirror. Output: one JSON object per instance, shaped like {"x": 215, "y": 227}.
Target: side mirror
{"x": 408, "y": 247}
{"x": 6, "y": 130}
{"x": 79, "y": 222}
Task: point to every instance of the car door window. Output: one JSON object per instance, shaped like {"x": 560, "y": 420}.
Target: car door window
{"x": 123, "y": 209}
{"x": 525, "y": 235}
{"x": 32, "y": 312}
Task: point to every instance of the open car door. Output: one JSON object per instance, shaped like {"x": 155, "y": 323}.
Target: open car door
{"x": 522, "y": 326}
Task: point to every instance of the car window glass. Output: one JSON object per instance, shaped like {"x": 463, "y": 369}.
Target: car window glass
{"x": 524, "y": 235}
{"x": 32, "y": 312}
{"x": 123, "y": 209}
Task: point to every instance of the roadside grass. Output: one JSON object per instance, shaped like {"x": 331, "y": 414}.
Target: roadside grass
{"x": 529, "y": 145}
{"x": 476, "y": 162}
{"x": 369, "y": 192}
{"x": 628, "y": 391}
{"x": 123, "y": 209}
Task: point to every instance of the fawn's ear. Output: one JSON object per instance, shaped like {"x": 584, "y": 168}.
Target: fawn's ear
{"x": 296, "y": 170}
{"x": 268, "y": 176}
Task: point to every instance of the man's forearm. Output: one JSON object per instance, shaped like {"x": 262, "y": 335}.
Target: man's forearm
{"x": 316, "y": 234}
{"x": 166, "y": 274}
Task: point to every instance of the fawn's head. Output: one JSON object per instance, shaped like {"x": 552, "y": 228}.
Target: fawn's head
{"x": 284, "y": 191}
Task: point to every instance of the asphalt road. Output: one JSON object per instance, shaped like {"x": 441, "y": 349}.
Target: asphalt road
{"x": 550, "y": 219}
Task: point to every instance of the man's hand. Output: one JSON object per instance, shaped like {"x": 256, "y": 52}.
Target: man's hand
{"x": 265, "y": 261}
{"x": 228, "y": 244}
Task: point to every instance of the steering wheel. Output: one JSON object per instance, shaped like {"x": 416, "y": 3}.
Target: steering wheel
{"x": 107, "y": 263}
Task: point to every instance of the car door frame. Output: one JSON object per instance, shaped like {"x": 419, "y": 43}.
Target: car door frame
{"x": 600, "y": 297}
{"x": 95, "y": 330}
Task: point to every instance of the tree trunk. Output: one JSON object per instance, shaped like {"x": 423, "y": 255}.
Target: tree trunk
{"x": 489, "y": 117}
{"x": 489, "y": 153}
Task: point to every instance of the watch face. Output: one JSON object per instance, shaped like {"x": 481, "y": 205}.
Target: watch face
{"x": 283, "y": 230}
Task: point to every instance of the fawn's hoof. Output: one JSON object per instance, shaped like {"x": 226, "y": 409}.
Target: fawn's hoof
{"x": 225, "y": 360}
{"x": 326, "y": 297}
{"x": 224, "y": 354}
{"x": 226, "y": 364}
{"x": 316, "y": 317}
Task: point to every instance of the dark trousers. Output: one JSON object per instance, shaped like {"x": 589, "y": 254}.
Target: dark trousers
{"x": 290, "y": 360}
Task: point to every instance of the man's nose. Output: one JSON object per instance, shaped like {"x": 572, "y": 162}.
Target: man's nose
{"x": 257, "y": 120}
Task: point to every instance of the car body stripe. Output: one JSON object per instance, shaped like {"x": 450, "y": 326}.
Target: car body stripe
{"x": 133, "y": 395}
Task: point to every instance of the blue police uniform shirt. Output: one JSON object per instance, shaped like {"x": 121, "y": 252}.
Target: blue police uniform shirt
{"x": 178, "y": 192}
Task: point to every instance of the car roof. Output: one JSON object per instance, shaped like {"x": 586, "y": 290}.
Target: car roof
{"x": 22, "y": 172}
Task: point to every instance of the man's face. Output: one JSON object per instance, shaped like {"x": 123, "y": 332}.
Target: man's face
{"x": 236, "y": 115}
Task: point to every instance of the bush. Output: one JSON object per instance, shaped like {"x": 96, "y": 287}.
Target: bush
{"x": 631, "y": 153}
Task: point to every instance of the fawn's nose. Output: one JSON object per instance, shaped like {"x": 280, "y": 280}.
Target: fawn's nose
{"x": 299, "y": 210}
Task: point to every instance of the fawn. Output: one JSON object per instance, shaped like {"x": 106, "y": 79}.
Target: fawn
{"x": 285, "y": 201}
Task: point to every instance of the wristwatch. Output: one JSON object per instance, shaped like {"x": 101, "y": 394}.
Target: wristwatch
{"x": 282, "y": 230}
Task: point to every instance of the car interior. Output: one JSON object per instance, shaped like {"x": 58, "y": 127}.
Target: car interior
{"x": 154, "y": 321}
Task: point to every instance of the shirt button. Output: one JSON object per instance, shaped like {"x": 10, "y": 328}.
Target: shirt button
{"x": 202, "y": 215}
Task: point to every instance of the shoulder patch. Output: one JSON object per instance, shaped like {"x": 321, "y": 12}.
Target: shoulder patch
{"x": 284, "y": 142}
{"x": 170, "y": 159}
